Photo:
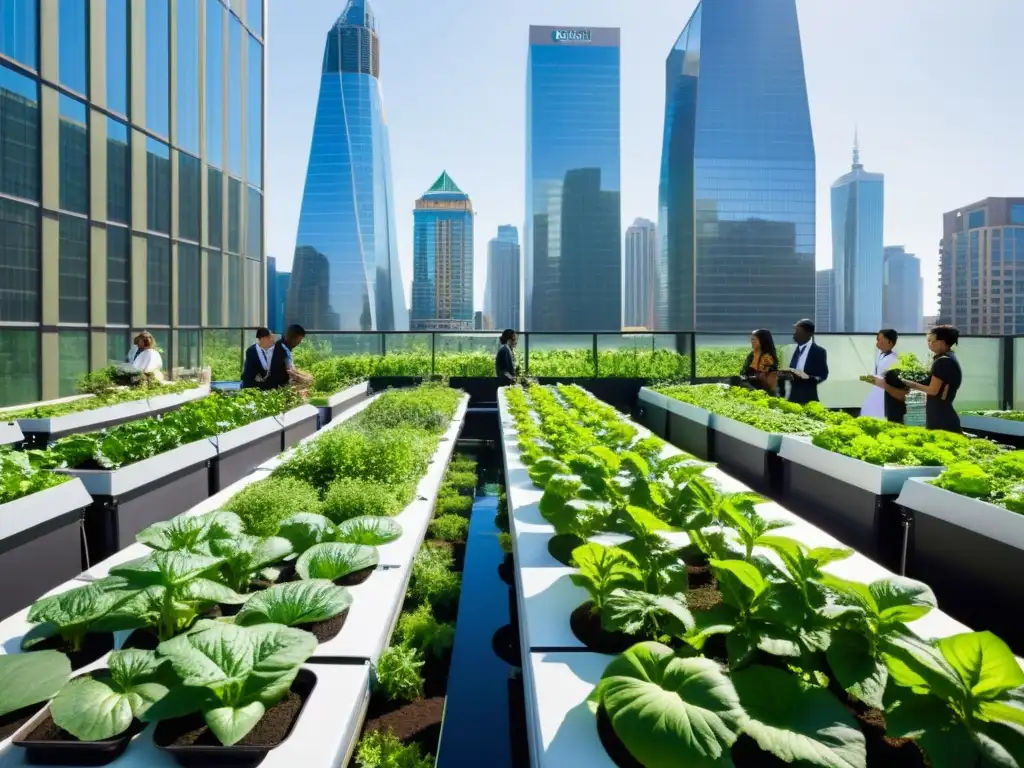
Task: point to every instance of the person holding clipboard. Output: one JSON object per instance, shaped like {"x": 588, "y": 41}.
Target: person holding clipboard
{"x": 808, "y": 366}
{"x": 257, "y": 360}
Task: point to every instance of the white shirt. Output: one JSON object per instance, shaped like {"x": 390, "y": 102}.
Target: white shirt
{"x": 801, "y": 355}
{"x": 148, "y": 361}
{"x": 265, "y": 356}
{"x": 874, "y": 403}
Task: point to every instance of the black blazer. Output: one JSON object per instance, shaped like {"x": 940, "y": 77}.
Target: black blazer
{"x": 278, "y": 375}
{"x": 251, "y": 368}
{"x": 804, "y": 391}
{"x": 504, "y": 363}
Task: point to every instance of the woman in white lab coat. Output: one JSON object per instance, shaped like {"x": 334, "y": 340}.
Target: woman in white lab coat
{"x": 885, "y": 358}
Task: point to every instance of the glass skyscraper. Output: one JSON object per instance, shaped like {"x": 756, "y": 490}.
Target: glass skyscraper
{"x": 736, "y": 194}
{"x": 131, "y": 182}
{"x": 501, "y": 298}
{"x": 858, "y": 207}
{"x": 346, "y": 275}
{"x": 573, "y": 232}
{"x": 641, "y": 275}
{"x": 442, "y": 259}
{"x": 903, "y": 291}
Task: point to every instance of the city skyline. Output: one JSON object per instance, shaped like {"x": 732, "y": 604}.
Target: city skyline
{"x": 503, "y": 297}
{"x": 902, "y": 298}
{"x": 640, "y": 269}
{"x": 479, "y": 135}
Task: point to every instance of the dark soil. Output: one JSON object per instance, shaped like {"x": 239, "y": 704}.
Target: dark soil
{"x": 612, "y": 745}
{"x": 12, "y": 722}
{"x": 416, "y": 721}
{"x": 561, "y": 546}
{"x": 506, "y": 646}
{"x": 273, "y": 728}
{"x": 327, "y": 629}
{"x": 93, "y": 648}
{"x": 703, "y": 594}
{"x": 356, "y": 577}
{"x": 586, "y": 625}
{"x": 458, "y": 550}
{"x": 48, "y": 730}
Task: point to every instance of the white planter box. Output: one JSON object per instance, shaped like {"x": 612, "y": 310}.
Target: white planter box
{"x": 297, "y": 416}
{"x": 10, "y": 433}
{"x": 40, "y": 404}
{"x": 85, "y": 421}
{"x": 38, "y": 508}
{"x": 340, "y": 398}
{"x": 371, "y": 618}
{"x": 323, "y": 737}
{"x": 100, "y": 482}
{"x": 549, "y": 598}
{"x": 687, "y": 411}
{"x": 881, "y": 481}
{"x": 243, "y": 436}
{"x": 651, "y": 397}
{"x": 766, "y": 441}
{"x": 993, "y": 424}
{"x": 975, "y": 515}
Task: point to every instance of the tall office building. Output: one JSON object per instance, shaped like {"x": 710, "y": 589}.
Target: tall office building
{"x": 641, "y": 275}
{"x": 902, "y": 291}
{"x": 277, "y": 296}
{"x": 346, "y": 275}
{"x": 442, "y": 259}
{"x": 736, "y": 195}
{"x": 501, "y": 298}
{"x": 858, "y": 203}
{"x": 131, "y": 182}
{"x": 981, "y": 289}
{"x": 823, "y": 301}
{"x": 573, "y": 229}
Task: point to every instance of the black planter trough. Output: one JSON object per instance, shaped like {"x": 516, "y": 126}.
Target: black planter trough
{"x": 380, "y": 383}
{"x": 1005, "y": 431}
{"x": 652, "y": 411}
{"x": 969, "y": 552}
{"x": 849, "y": 499}
{"x": 126, "y": 500}
{"x": 297, "y": 424}
{"x": 40, "y": 543}
{"x": 340, "y": 402}
{"x": 241, "y": 450}
{"x": 747, "y": 453}
{"x": 685, "y": 426}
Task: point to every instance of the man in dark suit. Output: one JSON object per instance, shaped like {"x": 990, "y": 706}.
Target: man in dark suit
{"x": 258, "y": 359}
{"x": 282, "y": 369}
{"x": 809, "y": 364}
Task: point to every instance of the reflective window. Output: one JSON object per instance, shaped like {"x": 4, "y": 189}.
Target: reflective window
{"x": 118, "y": 345}
{"x": 117, "y": 56}
{"x": 1017, "y": 213}
{"x": 976, "y": 219}
{"x": 215, "y": 84}
{"x": 158, "y": 186}
{"x": 236, "y": 290}
{"x": 187, "y": 348}
{"x": 186, "y": 100}
{"x": 158, "y": 67}
{"x": 190, "y": 272}
{"x": 214, "y": 287}
{"x": 74, "y": 269}
{"x": 158, "y": 281}
{"x": 74, "y": 360}
{"x": 254, "y": 115}
{"x": 18, "y": 31}
{"x": 235, "y": 85}
{"x": 119, "y": 172}
{"x": 234, "y": 215}
{"x": 74, "y": 155}
{"x": 190, "y": 201}
{"x": 254, "y": 16}
{"x": 19, "y": 134}
{"x": 255, "y": 298}
{"x": 254, "y": 224}
{"x": 19, "y": 262}
{"x": 215, "y": 207}
{"x": 119, "y": 273}
{"x": 72, "y": 46}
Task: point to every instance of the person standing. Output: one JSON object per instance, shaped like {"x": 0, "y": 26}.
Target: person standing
{"x": 946, "y": 378}
{"x": 148, "y": 359}
{"x": 256, "y": 368}
{"x": 808, "y": 366}
{"x": 282, "y": 370}
{"x": 761, "y": 368}
{"x": 505, "y": 360}
{"x": 875, "y": 404}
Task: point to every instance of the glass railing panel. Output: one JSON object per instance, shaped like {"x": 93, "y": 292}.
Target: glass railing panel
{"x": 118, "y": 343}
{"x": 466, "y": 354}
{"x": 406, "y": 354}
{"x": 849, "y": 358}
{"x": 651, "y": 356}
{"x": 981, "y": 360}
{"x": 186, "y": 352}
{"x": 316, "y": 348}
{"x": 720, "y": 356}
{"x": 336, "y": 360}
{"x": 222, "y": 353}
{"x": 561, "y": 354}
{"x": 74, "y": 360}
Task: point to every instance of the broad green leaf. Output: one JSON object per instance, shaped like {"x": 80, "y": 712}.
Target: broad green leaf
{"x": 74, "y": 612}
{"x": 297, "y": 602}
{"x": 798, "y": 722}
{"x": 333, "y": 560}
{"x": 1002, "y": 744}
{"x": 984, "y": 662}
{"x": 952, "y": 747}
{"x": 633, "y": 611}
{"x": 647, "y": 520}
{"x": 370, "y": 530}
{"x": 671, "y": 711}
{"x": 856, "y": 668}
{"x": 738, "y": 577}
{"x": 902, "y": 599}
{"x": 307, "y": 529}
{"x": 1008, "y": 708}
{"x": 230, "y": 724}
{"x": 210, "y": 591}
{"x": 719, "y": 620}
{"x": 30, "y": 678}
{"x": 915, "y": 663}
{"x": 603, "y": 569}
{"x": 245, "y": 556}
{"x": 908, "y": 715}
{"x": 826, "y": 555}
{"x": 190, "y": 532}
{"x": 167, "y": 568}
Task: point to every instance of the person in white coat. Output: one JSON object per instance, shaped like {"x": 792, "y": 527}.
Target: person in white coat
{"x": 148, "y": 359}
{"x": 885, "y": 358}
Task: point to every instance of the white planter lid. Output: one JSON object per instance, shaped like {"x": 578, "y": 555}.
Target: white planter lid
{"x": 656, "y": 399}
{"x": 116, "y": 482}
{"x": 989, "y": 520}
{"x": 548, "y": 599}
{"x": 356, "y": 390}
{"x": 162, "y": 402}
{"x": 10, "y": 433}
{"x": 243, "y": 436}
{"x": 371, "y": 618}
{"x": 993, "y": 424}
{"x": 766, "y": 441}
{"x": 37, "y": 508}
{"x": 88, "y": 420}
{"x": 40, "y": 404}
{"x": 297, "y": 415}
{"x": 701, "y": 416}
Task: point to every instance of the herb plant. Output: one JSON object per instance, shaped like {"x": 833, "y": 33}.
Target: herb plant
{"x": 264, "y": 505}
{"x": 449, "y": 528}
{"x": 351, "y": 497}
{"x": 19, "y": 478}
{"x": 398, "y": 673}
{"x": 379, "y": 749}
{"x": 422, "y": 631}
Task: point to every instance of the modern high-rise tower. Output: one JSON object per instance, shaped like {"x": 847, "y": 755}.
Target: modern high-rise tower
{"x": 858, "y": 261}
{"x": 641, "y": 275}
{"x": 501, "y": 298}
{"x": 442, "y": 259}
{"x": 902, "y": 291}
{"x": 736, "y": 195}
{"x": 573, "y": 231}
{"x": 346, "y": 274}
{"x": 823, "y": 301}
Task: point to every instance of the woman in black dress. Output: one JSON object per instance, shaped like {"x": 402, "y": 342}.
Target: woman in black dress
{"x": 761, "y": 368}
{"x": 946, "y": 378}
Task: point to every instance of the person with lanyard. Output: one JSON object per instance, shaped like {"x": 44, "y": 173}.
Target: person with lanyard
{"x": 257, "y": 360}
{"x": 505, "y": 360}
{"x": 877, "y": 405}
{"x": 809, "y": 365}
{"x": 946, "y": 377}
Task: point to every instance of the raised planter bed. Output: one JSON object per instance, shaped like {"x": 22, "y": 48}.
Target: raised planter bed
{"x": 1006, "y": 431}
{"x": 749, "y": 453}
{"x": 969, "y": 552}
{"x": 340, "y": 402}
{"x": 10, "y": 434}
{"x": 297, "y": 424}
{"x": 850, "y": 499}
{"x": 40, "y": 543}
{"x": 652, "y": 411}
{"x": 128, "y": 499}
{"x": 688, "y": 427}
{"x": 241, "y": 450}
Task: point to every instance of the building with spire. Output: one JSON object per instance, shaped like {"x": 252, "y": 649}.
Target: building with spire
{"x": 442, "y": 260}
{"x": 858, "y": 255}
{"x": 346, "y": 274}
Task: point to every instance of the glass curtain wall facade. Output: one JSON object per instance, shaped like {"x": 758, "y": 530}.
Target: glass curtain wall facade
{"x": 442, "y": 260}
{"x": 501, "y": 299}
{"x": 736, "y": 195}
{"x": 641, "y": 275}
{"x": 345, "y": 274}
{"x": 112, "y": 214}
{"x": 902, "y": 291}
{"x": 823, "y": 301}
{"x": 573, "y": 228}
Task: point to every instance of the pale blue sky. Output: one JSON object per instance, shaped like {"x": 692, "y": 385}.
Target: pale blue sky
{"x": 934, "y": 85}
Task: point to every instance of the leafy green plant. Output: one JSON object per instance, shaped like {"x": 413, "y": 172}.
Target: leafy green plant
{"x": 105, "y": 393}
{"x": 72, "y": 614}
{"x": 505, "y": 542}
{"x": 191, "y": 532}
{"x": 429, "y": 407}
{"x": 883, "y": 443}
{"x": 461, "y": 480}
{"x": 334, "y": 560}
{"x": 997, "y": 479}
{"x": 636, "y": 612}
{"x": 432, "y": 580}
{"x": 295, "y": 603}
{"x": 454, "y": 504}
{"x": 398, "y": 674}
{"x": 101, "y": 705}
{"x": 462, "y": 463}
{"x": 231, "y": 674}
{"x": 31, "y": 678}
{"x": 379, "y": 749}
{"x": 245, "y": 556}
{"x": 351, "y": 497}
{"x": 421, "y": 630}
{"x": 306, "y": 530}
{"x": 449, "y": 528}
{"x": 265, "y": 504}
{"x": 754, "y": 407}
{"x": 370, "y": 530}
{"x": 602, "y": 570}
{"x": 19, "y": 478}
